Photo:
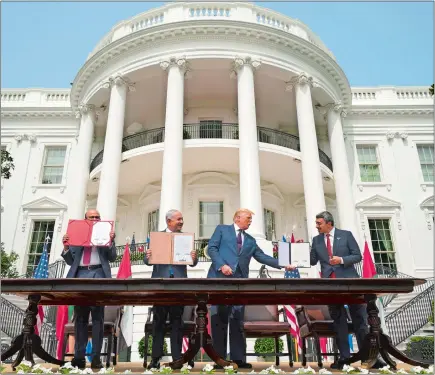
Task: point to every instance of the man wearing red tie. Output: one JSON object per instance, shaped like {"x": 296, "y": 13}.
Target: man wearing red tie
{"x": 337, "y": 251}
{"x": 90, "y": 263}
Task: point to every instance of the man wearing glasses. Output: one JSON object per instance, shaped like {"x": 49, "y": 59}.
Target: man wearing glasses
{"x": 88, "y": 263}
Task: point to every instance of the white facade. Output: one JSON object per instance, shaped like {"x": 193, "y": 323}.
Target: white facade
{"x": 249, "y": 85}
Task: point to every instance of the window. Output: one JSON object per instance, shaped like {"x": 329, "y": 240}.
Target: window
{"x": 41, "y": 229}
{"x": 3, "y": 148}
{"x": 382, "y": 243}
{"x": 368, "y": 164}
{"x": 425, "y": 153}
{"x": 269, "y": 224}
{"x": 54, "y": 160}
{"x": 210, "y": 129}
{"x": 211, "y": 214}
{"x": 153, "y": 221}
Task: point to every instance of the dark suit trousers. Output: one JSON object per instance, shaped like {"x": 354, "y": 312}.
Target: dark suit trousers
{"x": 160, "y": 314}
{"x": 359, "y": 321}
{"x": 221, "y": 315}
{"x": 81, "y": 314}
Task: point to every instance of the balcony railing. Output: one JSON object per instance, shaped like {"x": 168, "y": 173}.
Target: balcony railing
{"x": 211, "y": 131}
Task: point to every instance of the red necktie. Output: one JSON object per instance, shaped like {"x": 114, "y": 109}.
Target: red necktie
{"x": 329, "y": 248}
{"x": 87, "y": 255}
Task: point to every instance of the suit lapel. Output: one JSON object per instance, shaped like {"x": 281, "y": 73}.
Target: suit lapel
{"x": 323, "y": 244}
{"x": 245, "y": 242}
{"x": 337, "y": 238}
{"x": 232, "y": 234}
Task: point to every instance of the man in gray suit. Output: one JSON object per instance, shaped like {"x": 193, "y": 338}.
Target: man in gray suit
{"x": 337, "y": 251}
{"x": 88, "y": 263}
{"x": 174, "y": 223}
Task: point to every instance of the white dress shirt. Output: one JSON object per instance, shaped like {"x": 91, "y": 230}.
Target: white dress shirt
{"x": 95, "y": 257}
{"x": 331, "y": 239}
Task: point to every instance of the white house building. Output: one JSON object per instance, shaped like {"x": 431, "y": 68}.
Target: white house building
{"x": 208, "y": 107}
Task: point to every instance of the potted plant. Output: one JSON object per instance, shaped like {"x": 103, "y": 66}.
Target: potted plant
{"x": 141, "y": 346}
{"x": 265, "y": 345}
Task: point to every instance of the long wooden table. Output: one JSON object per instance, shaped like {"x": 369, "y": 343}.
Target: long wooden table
{"x": 201, "y": 292}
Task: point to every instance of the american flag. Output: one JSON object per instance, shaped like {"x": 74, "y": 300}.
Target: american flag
{"x": 41, "y": 272}
{"x": 185, "y": 344}
{"x": 290, "y": 311}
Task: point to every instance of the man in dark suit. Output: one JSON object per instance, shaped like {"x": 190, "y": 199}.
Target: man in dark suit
{"x": 174, "y": 223}
{"x": 231, "y": 250}
{"x": 337, "y": 251}
{"x": 89, "y": 263}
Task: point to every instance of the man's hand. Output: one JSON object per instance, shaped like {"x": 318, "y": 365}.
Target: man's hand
{"x": 112, "y": 236}
{"x": 226, "y": 270}
{"x": 299, "y": 241}
{"x": 290, "y": 267}
{"x": 193, "y": 255}
{"x": 65, "y": 239}
{"x": 334, "y": 261}
{"x": 148, "y": 253}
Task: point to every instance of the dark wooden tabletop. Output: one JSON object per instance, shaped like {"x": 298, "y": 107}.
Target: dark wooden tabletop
{"x": 214, "y": 291}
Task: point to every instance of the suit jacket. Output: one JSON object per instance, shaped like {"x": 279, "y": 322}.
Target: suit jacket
{"x": 163, "y": 270}
{"x": 344, "y": 246}
{"x": 222, "y": 249}
{"x": 74, "y": 255}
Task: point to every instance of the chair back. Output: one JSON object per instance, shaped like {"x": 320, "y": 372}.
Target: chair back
{"x": 260, "y": 313}
{"x": 317, "y": 312}
{"x": 189, "y": 314}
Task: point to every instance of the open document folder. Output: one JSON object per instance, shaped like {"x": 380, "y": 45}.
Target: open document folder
{"x": 171, "y": 248}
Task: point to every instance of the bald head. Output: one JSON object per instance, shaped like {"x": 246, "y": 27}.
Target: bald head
{"x": 92, "y": 215}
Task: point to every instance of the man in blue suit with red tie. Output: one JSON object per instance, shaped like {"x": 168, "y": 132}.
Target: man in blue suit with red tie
{"x": 231, "y": 250}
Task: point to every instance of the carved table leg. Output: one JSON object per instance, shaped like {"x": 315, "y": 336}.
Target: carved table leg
{"x": 376, "y": 342}
{"x": 28, "y": 343}
{"x": 201, "y": 340}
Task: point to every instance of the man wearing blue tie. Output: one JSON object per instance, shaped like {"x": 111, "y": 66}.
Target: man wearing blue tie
{"x": 174, "y": 223}
{"x": 231, "y": 250}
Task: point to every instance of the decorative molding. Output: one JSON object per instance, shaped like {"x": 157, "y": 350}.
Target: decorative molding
{"x": 273, "y": 191}
{"x": 189, "y": 199}
{"x": 239, "y": 62}
{"x": 37, "y": 187}
{"x": 119, "y": 80}
{"x": 21, "y": 137}
{"x": 426, "y": 185}
{"x": 399, "y": 221}
{"x": 389, "y": 111}
{"x": 361, "y": 185}
{"x": 362, "y": 219}
{"x": 378, "y": 201}
{"x": 60, "y": 220}
{"x": 44, "y": 203}
{"x": 181, "y": 62}
{"x": 428, "y": 218}
{"x": 391, "y": 135}
{"x": 336, "y": 107}
{"x": 225, "y": 180}
{"x": 301, "y": 79}
{"x": 24, "y": 223}
{"x": 84, "y": 109}
{"x": 37, "y": 114}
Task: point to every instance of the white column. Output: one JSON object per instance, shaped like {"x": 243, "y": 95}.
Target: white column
{"x": 82, "y": 160}
{"x": 249, "y": 164}
{"x": 311, "y": 173}
{"x": 172, "y": 172}
{"x": 343, "y": 185}
{"x": 108, "y": 191}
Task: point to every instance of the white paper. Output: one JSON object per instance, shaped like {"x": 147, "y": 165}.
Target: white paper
{"x": 101, "y": 233}
{"x": 300, "y": 254}
{"x": 283, "y": 254}
{"x": 182, "y": 248}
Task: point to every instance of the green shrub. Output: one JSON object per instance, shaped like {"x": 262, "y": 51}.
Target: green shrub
{"x": 141, "y": 346}
{"x": 267, "y": 345}
{"x": 421, "y": 348}
{"x": 431, "y": 318}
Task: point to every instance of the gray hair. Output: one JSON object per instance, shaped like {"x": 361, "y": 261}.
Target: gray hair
{"x": 327, "y": 216}
{"x": 170, "y": 213}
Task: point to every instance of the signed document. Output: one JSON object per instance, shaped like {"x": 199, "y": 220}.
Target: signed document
{"x": 101, "y": 233}
{"x": 283, "y": 253}
{"x": 300, "y": 254}
{"x": 183, "y": 245}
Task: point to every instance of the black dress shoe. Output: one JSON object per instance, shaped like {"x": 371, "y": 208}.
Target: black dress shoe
{"x": 241, "y": 364}
{"x": 191, "y": 363}
{"x": 379, "y": 364}
{"x": 217, "y": 367}
{"x": 78, "y": 362}
{"x": 155, "y": 363}
{"x": 337, "y": 365}
{"x": 96, "y": 363}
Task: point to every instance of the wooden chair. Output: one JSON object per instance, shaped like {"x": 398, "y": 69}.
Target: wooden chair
{"x": 263, "y": 321}
{"x": 315, "y": 321}
{"x": 112, "y": 318}
{"x": 189, "y": 327}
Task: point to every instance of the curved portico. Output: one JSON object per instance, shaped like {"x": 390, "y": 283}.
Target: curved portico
{"x": 295, "y": 78}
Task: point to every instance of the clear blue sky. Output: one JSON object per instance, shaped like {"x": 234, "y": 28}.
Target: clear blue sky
{"x": 45, "y": 44}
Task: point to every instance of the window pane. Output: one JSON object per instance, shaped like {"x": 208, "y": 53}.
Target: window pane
{"x": 382, "y": 244}
{"x": 153, "y": 221}
{"x": 210, "y": 216}
{"x": 41, "y": 229}
{"x": 269, "y": 224}
{"x": 54, "y": 161}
